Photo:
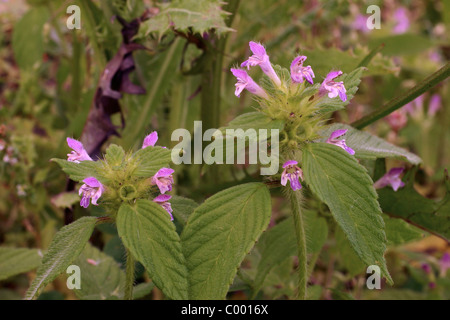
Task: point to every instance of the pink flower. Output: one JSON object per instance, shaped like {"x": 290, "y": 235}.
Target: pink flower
{"x": 391, "y": 178}
{"x": 292, "y": 173}
{"x": 397, "y": 119}
{"x": 91, "y": 189}
{"x": 415, "y": 107}
{"x": 261, "y": 59}
{"x": 435, "y": 105}
{"x": 340, "y": 143}
{"x": 150, "y": 140}
{"x": 79, "y": 153}
{"x": 333, "y": 88}
{"x": 244, "y": 81}
{"x": 401, "y": 17}
{"x": 163, "y": 179}
{"x": 298, "y": 71}
{"x": 162, "y": 200}
{"x": 360, "y": 23}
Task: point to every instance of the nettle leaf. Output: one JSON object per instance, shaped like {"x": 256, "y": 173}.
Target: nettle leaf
{"x": 407, "y": 204}
{"x": 220, "y": 233}
{"x": 80, "y": 171}
{"x": 150, "y": 160}
{"x": 146, "y": 230}
{"x": 64, "y": 249}
{"x": 198, "y": 15}
{"x": 345, "y": 186}
{"x": 368, "y": 146}
{"x": 14, "y": 261}
{"x": 114, "y": 155}
{"x": 101, "y": 276}
{"x": 351, "y": 83}
{"x": 399, "y": 232}
{"x": 279, "y": 243}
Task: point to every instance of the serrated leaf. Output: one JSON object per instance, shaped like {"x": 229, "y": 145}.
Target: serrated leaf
{"x": 64, "y": 249}
{"x": 184, "y": 15}
{"x": 150, "y": 160}
{"x": 101, "y": 276}
{"x": 351, "y": 83}
{"x": 14, "y": 261}
{"x": 254, "y": 120}
{"x": 80, "y": 171}
{"x": 368, "y": 146}
{"x": 339, "y": 181}
{"x": 114, "y": 155}
{"x": 219, "y": 234}
{"x": 146, "y": 230}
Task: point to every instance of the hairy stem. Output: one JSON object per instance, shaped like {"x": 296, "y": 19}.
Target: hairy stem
{"x": 302, "y": 269}
{"x": 404, "y": 98}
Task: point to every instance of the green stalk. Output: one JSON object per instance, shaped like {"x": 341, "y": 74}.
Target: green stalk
{"x": 404, "y": 98}
{"x": 129, "y": 280}
{"x": 302, "y": 269}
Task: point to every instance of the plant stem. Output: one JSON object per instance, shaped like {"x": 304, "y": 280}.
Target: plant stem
{"x": 302, "y": 269}
{"x": 404, "y": 98}
{"x": 129, "y": 282}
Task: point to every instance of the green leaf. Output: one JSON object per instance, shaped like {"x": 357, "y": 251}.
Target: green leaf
{"x": 254, "y": 120}
{"x": 14, "y": 261}
{"x": 407, "y": 204}
{"x": 149, "y": 160}
{"x": 351, "y": 83}
{"x": 101, "y": 276}
{"x": 368, "y": 146}
{"x": 197, "y": 16}
{"x": 219, "y": 234}
{"x": 146, "y": 230}
{"x": 114, "y": 155}
{"x": 344, "y": 185}
{"x": 80, "y": 171}
{"x": 28, "y": 38}
{"x": 64, "y": 249}
{"x": 399, "y": 232}
{"x": 182, "y": 208}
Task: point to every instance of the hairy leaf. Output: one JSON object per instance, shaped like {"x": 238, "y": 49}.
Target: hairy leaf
{"x": 150, "y": 160}
{"x": 344, "y": 185}
{"x": 219, "y": 234}
{"x": 146, "y": 230}
{"x": 14, "y": 261}
{"x": 64, "y": 249}
{"x": 368, "y": 146}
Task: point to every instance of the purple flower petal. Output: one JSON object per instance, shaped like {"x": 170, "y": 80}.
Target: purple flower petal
{"x": 79, "y": 153}
{"x": 92, "y": 182}
{"x": 150, "y": 140}
{"x": 391, "y": 178}
{"x": 299, "y": 72}
{"x": 333, "y": 88}
{"x": 290, "y": 163}
{"x": 244, "y": 81}
{"x": 340, "y": 143}
{"x": 75, "y": 145}
{"x": 162, "y": 198}
{"x": 337, "y": 133}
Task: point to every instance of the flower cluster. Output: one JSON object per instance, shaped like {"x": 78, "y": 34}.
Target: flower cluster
{"x": 300, "y": 74}
{"x": 92, "y": 189}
